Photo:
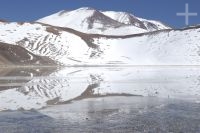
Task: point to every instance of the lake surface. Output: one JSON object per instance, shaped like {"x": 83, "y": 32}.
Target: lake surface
{"x": 100, "y": 99}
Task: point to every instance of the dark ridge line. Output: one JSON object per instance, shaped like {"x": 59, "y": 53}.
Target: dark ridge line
{"x": 89, "y": 93}
{"x": 81, "y": 34}
{"x": 4, "y": 21}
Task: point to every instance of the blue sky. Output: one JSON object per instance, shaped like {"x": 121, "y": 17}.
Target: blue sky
{"x": 163, "y": 10}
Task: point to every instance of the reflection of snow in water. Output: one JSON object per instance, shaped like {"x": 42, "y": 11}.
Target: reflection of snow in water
{"x": 70, "y": 84}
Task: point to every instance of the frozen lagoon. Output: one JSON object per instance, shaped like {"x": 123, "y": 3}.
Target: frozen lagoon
{"x": 100, "y": 99}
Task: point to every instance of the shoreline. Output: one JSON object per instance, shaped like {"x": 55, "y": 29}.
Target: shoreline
{"x": 136, "y": 66}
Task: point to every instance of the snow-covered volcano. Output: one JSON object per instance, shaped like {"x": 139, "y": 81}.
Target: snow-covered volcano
{"x": 89, "y": 20}
{"x": 74, "y": 39}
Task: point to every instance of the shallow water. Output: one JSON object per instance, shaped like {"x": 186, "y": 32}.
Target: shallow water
{"x": 100, "y": 99}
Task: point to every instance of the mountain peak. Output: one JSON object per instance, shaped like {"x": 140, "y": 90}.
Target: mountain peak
{"x": 63, "y": 12}
{"x": 90, "y": 20}
{"x": 86, "y": 8}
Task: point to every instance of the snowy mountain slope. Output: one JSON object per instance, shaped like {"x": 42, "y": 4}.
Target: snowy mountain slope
{"x": 70, "y": 47}
{"x": 16, "y": 55}
{"x": 152, "y": 25}
{"x": 84, "y": 18}
{"x": 130, "y": 19}
{"x": 89, "y": 20}
{"x": 171, "y": 47}
{"x": 124, "y": 18}
{"x": 47, "y": 41}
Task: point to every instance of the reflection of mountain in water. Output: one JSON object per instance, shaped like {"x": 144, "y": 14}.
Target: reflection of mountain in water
{"x": 63, "y": 86}
{"x": 16, "y": 77}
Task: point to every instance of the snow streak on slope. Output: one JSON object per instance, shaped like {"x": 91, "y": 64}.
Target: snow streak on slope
{"x": 152, "y": 25}
{"x": 16, "y": 55}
